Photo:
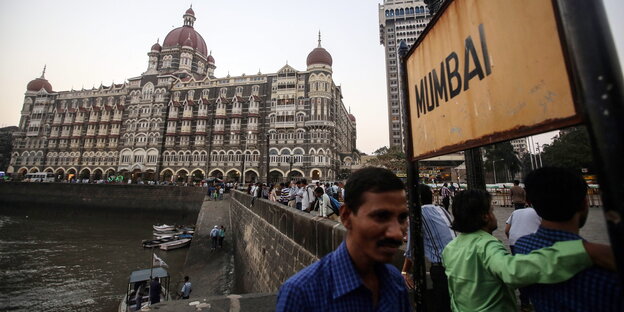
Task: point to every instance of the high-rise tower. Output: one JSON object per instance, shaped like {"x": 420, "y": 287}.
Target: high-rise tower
{"x": 399, "y": 20}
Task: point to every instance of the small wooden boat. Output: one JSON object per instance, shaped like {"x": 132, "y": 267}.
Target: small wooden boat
{"x": 174, "y": 244}
{"x": 164, "y": 227}
{"x": 156, "y": 242}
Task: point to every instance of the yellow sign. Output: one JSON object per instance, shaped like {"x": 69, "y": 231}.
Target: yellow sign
{"x": 487, "y": 71}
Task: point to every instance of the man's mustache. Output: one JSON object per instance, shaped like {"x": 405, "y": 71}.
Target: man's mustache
{"x": 389, "y": 242}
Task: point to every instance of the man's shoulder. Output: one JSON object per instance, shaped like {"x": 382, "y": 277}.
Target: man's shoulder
{"x": 310, "y": 276}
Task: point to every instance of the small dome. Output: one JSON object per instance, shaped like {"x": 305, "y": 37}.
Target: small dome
{"x": 351, "y": 117}
{"x": 156, "y": 47}
{"x": 190, "y": 11}
{"x": 319, "y": 55}
{"x": 38, "y": 84}
{"x": 211, "y": 59}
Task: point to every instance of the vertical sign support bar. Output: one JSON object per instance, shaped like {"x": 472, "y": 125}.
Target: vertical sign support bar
{"x": 415, "y": 228}
{"x": 597, "y": 80}
{"x": 474, "y": 169}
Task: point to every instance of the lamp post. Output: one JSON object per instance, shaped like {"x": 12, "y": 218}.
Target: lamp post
{"x": 494, "y": 168}
{"x": 291, "y": 164}
{"x": 268, "y": 160}
{"x": 244, "y": 156}
{"x": 539, "y": 154}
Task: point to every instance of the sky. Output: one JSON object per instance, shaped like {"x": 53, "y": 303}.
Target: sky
{"x": 88, "y": 43}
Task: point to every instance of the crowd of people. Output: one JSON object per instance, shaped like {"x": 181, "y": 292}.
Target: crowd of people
{"x": 471, "y": 270}
{"x": 321, "y": 197}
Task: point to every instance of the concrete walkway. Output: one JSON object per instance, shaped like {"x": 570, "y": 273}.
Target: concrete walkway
{"x": 211, "y": 272}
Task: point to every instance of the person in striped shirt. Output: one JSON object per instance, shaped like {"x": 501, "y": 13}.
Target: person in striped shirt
{"x": 437, "y": 233}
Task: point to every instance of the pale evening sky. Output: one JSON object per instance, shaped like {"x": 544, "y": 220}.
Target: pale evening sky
{"x": 86, "y": 43}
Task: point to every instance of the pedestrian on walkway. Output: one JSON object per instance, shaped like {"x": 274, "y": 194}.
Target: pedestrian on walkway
{"x": 186, "y": 288}
{"x": 214, "y": 237}
{"x": 518, "y": 196}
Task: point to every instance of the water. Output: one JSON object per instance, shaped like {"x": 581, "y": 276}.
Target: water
{"x": 53, "y": 260}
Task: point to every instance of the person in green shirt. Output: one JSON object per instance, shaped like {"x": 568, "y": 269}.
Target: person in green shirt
{"x": 482, "y": 274}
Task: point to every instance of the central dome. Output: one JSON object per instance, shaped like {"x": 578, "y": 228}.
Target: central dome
{"x": 178, "y": 36}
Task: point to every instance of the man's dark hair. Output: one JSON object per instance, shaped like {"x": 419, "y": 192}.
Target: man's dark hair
{"x": 469, "y": 207}
{"x": 304, "y": 181}
{"x": 186, "y": 278}
{"x": 319, "y": 190}
{"x": 426, "y": 197}
{"x": 516, "y": 182}
{"x": 555, "y": 193}
{"x": 370, "y": 179}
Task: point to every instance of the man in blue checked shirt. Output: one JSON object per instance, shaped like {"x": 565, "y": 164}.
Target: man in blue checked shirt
{"x": 357, "y": 276}
{"x": 559, "y": 197}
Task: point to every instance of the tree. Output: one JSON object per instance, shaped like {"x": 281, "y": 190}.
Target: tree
{"x": 570, "y": 150}
{"x": 392, "y": 159}
{"x": 503, "y": 153}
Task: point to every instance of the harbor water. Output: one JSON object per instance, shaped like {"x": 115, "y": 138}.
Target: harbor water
{"x": 56, "y": 260}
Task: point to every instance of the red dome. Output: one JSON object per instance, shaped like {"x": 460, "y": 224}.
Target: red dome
{"x": 38, "y": 84}
{"x": 156, "y": 47}
{"x": 351, "y": 117}
{"x": 188, "y": 42}
{"x": 319, "y": 56}
{"x": 190, "y": 11}
{"x": 178, "y": 36}
{"x": 211, "y": 59}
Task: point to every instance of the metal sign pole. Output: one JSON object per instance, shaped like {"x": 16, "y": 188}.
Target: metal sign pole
{"x": 597, "y": 79}
{"x": 418, "y": 249}
{"x": 474, "y": 169}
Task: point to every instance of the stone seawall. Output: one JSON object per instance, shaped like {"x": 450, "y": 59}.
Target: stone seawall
{"x": 272, "y": 242}
{"x": 109, "y": 197}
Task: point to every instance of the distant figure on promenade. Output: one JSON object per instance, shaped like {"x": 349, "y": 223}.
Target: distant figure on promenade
{"x": 560, "y": 198}
{"x": 482, "y": 273}
{"x": 307, "y": 196}
{"x": 285, "y": 193}
{"x": 357, "y": 276}
{"x": 215, "y": 194}
{"x": 221, "y": 236}
{"x": 323, "y": 203}
{"x": 214, "y": 237}
{"x": 518, "y": 195}
{"x": 221, "y": 191}
{"x": 154, "y": 291}
{"x": 272, "y": 193}
{"x": 186, "y": 288}
{"x": 445, "y": 192}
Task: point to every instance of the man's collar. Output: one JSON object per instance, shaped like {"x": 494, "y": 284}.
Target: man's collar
{"x": 548, "y": 231}
{"x": 347, "y": 279}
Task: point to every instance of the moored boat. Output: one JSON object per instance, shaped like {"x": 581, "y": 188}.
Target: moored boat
{"x": 178, "y": 243}
{"x": 138, "y": 288}
{"x": 164, "y": 227}
{"x": 156, "y": 242}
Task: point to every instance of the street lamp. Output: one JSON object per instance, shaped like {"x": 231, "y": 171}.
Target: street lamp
{"x": 268, "y": 160}
{"x": 244, "y": 156}
{"x": 494, "y": 168}
{"x": 539, "y": 154}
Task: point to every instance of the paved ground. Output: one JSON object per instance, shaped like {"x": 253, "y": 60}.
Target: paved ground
{"x": 595, "y": 230}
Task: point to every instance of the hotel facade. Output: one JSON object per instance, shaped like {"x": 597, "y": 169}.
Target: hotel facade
{"x": 178, "y": 122}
